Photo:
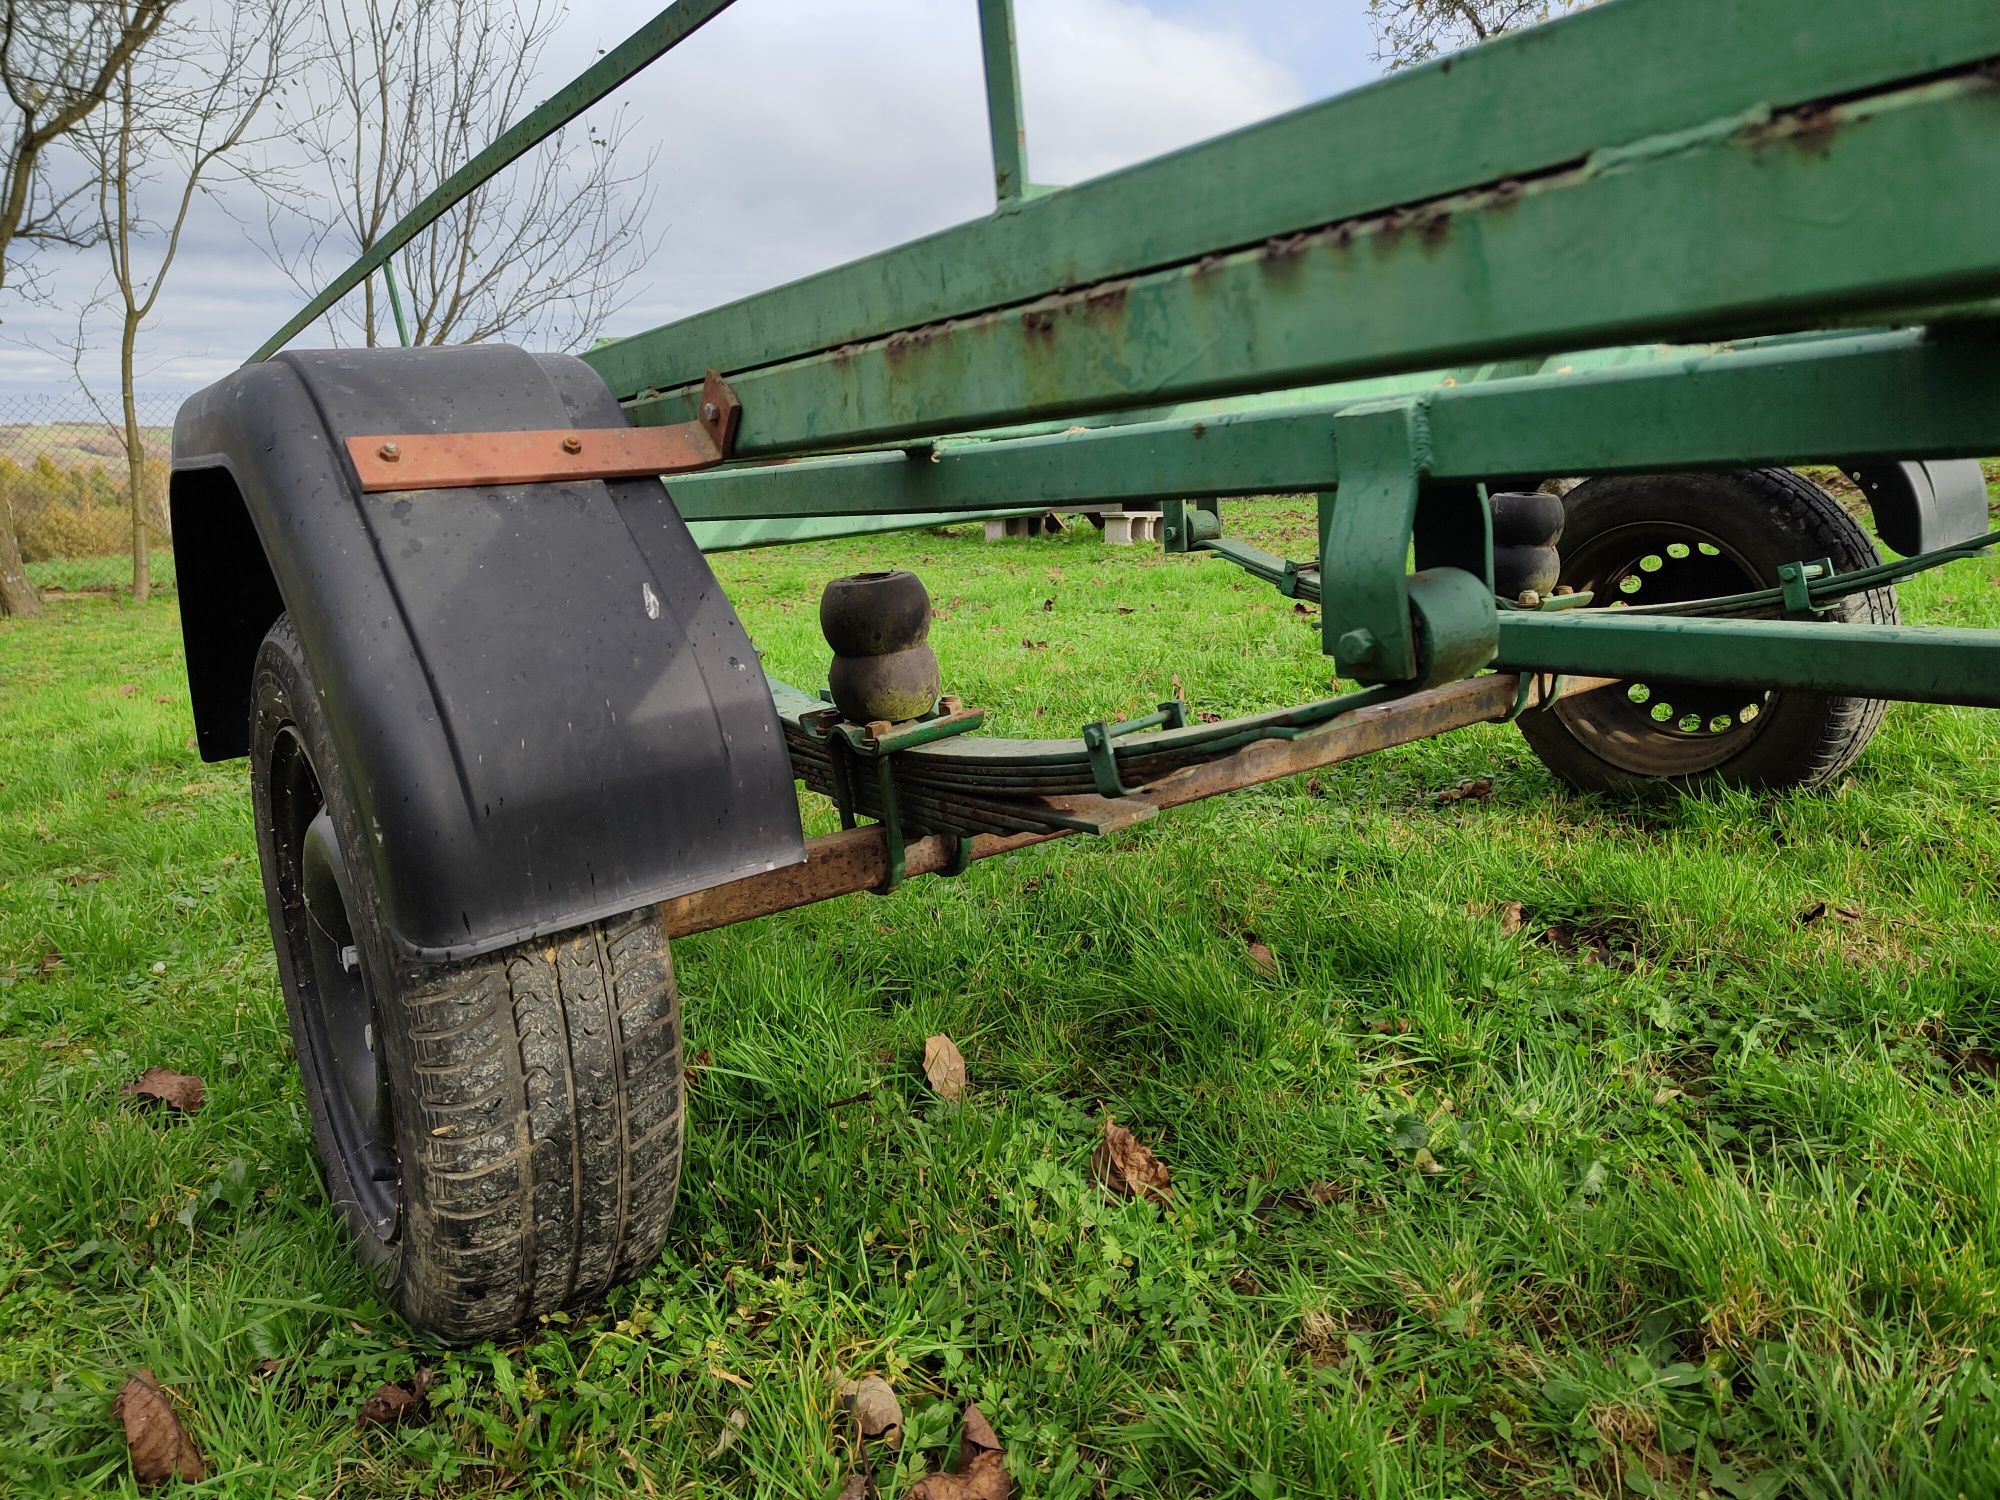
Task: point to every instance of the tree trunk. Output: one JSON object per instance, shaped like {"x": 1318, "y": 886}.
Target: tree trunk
{"x": 135, "y": 470}
{"x": 17, "y": 595}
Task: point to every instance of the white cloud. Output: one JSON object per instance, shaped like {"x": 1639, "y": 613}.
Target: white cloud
{"x": 792, "y": 135}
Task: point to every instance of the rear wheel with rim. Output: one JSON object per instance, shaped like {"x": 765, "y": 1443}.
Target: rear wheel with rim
{"x": 500, "y": 1136}
{"x": 1667, "y": 538}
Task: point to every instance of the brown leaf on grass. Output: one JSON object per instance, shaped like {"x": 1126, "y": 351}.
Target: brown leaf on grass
{"x": 856, "y": 1488}
{"x": 1123, "y": 609}
{"x": 181, "y": 1091}
{"x": 732, "y": 1429}
{"x": 160, "y": 1449}
{"x": 1820, "y": 910}
{"x": 1028, "y": 645}
{"x": 1177, "y": 694}
{"x": 944, "y": 1067}
{"x": 128, "y": 689}
{"x": 1123, "y": 1166}
{"x": 1466, "y": 791}
{"x": 873, "y": 1408}
{"x": 1207, "y": 716}
{"x": 1511, "y": 916}
{"x": 1262, "y": 959}
{"x": 1048, "y": 606}
{"x": 1313, "y": 788}
{"x": 979, "y": 1474}
{"x": 397, "y": 1401}
{"x": 86, "y": 877}
{"x": 52, "y": 960}
{"x": 1301, "y": 608}
{"x": 691, "y": 1074}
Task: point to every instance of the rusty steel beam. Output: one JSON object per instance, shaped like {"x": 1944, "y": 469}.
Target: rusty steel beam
{"x": 857, "y": 859}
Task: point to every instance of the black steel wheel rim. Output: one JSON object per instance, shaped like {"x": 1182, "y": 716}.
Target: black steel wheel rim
{"x": 333, "y": 989}
{"x": 1654, "y": 728}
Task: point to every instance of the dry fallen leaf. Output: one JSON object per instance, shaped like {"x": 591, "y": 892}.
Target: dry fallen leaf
{"x": 1122, "y": 1165}
{"x": 1511, "y": 915}
{"x": 395, "y": 1402}
{"x": 856, "y": 1488}
{"x": 182, "y": 1091}
{"x": 160, "y": 1449}
{"x": 128, "y": 689}
{"x": 1426, "y": 1163}
{"x": 1479, "y": 786}
{"x": 731, "y": 1430}
{"x": 86, "y": 877}
{"x": 874, "y": 1409}
{"x": 981, "y": 1470}
{"x": 1262, "y": 959}
{"x": 51, "y": 961}
{"x": 1665, "y": 1094}
{"x": 944, "y": 1067}
{"x": 691, "y": 1074}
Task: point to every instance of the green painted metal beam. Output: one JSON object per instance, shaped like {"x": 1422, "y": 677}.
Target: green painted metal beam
{"x": 740, "y": 536}
{"x": 1531, "y": 102}
{"x": 1901, "y": 662}
{"x": 1905, "y": 394}
{"x": 1723, "y": 233}
{"x": 1006, "y": 124}
{"x": 650, "y": 42}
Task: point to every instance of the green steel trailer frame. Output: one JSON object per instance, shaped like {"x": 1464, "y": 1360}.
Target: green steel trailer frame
{"x": 507, "y": 736}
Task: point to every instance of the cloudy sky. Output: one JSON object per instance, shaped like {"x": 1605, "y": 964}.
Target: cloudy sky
{"x": 792, "y": 135}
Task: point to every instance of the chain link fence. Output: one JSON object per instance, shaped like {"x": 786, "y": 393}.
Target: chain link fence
{"x": 67, "y": 485}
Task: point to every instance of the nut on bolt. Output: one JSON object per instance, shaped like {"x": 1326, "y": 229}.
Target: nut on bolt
{"x": 572, "y": 444}
{"x": 1529, "y": 599}
{"x": 710, "y": 411}
{"x": 1358, "y": 646}
{"x": 388, "y": 453}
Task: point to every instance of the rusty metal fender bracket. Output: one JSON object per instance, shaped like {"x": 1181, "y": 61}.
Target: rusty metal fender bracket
{"x": 464, "y": 460}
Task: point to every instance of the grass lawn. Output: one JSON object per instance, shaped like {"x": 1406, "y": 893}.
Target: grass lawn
{"x": 1690, "y": 1186}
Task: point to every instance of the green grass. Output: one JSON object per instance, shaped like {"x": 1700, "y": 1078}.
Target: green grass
{"x": 110, "y": 574}
{"x": 1717, "y": 1216}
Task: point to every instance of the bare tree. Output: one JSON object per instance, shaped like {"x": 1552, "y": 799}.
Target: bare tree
{"x": 58, "y": 62}
{"x": 176, "y": 115}
{"x": 408, "y": 91}
{"x": 1408, "y": 32}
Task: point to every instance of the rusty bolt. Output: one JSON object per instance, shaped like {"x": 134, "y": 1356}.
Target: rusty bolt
{"x": 878, "y": 729}
{"x": 951, "y": 703}
{"x": 572, "y": 444}
{"x": 1529, "y": 599}
{"x": 388, "y": 453}
{"x": 710, "y": 411}
{"x": 1563, "y": 591}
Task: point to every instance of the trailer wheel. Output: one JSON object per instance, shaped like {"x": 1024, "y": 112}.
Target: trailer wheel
{"x": 1664, "y": 538}
{"x": 499, "y": 1136}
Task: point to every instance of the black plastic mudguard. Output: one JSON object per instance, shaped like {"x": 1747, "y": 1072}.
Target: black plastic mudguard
{"x": 547, "y": 707}
{"x": 1922, "y": 506}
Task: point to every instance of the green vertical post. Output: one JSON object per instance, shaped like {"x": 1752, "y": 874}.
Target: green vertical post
{"x": 1003, "y": 100}
{"x": 396, "y": 302}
